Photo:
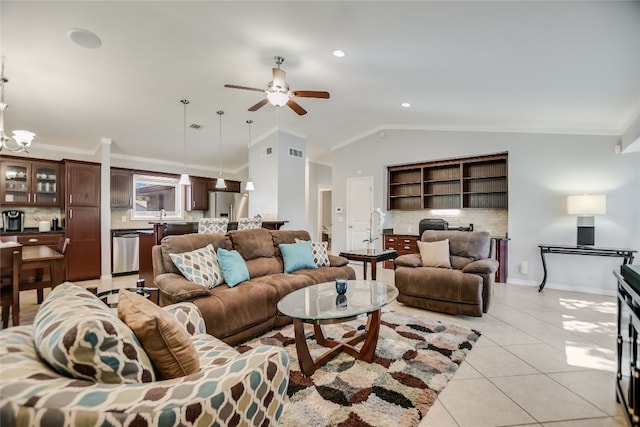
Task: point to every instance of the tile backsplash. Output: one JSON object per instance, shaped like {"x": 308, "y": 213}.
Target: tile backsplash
{"x": 495, "y": 221}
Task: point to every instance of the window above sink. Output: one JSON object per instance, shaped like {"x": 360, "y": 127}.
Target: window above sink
{"x": 156, "y": 195}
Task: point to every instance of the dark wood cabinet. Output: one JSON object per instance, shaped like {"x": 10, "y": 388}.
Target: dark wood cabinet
{"x": 197, "y": 194}
{"x": 232, "y": 186}
{"x": 145, "y": 267}
{"x": 121, "y": 189}
{"x": 473, "y": 182}
{"x": 82, "y": 183}
{"x": 403, "y": 244}
{"x": 29, "y": 183}
{"x": 82, "y": 225}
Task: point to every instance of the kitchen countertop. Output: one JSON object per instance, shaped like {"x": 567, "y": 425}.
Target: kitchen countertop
{"x": 33, "y": 230}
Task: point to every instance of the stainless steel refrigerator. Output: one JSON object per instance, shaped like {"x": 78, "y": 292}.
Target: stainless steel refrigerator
{"x": 228, "y": 205}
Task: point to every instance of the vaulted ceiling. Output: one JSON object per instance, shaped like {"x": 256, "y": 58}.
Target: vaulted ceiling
{"x": 531, "y": 66}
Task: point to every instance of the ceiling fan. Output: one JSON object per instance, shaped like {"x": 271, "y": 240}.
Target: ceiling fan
{"x": 278, "y": 93}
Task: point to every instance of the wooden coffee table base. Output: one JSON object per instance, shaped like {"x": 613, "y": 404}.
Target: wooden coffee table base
{"x": 366, "y": 352}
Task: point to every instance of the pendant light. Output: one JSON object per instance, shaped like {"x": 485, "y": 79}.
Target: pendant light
{"x": 249, "y": 186}
{"x": 184, "y": 177}
{"x": 220, "y": 184}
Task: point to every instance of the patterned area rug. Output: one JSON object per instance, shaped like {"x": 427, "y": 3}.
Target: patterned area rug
{"x": 415, "y": 358}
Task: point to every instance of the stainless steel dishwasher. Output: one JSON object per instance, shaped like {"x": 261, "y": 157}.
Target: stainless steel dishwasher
{"x": 125, "y": 252}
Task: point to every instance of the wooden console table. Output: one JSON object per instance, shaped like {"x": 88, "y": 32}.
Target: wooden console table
{"x": 626, "y": 254}
{"x": 372, "y": 258}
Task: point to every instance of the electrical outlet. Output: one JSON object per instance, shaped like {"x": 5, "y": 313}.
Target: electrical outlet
{"x": 524, "y": 267}
{"x": 124, "y": 218}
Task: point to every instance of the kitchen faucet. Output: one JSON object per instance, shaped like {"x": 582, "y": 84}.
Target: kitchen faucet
{"x": 162, "y": 213}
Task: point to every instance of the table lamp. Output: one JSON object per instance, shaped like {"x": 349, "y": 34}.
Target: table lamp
{"x": 586, "y": 206}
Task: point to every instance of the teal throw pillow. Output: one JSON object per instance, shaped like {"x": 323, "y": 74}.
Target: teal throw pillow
{"x": 297, "y": 256}
{"x": 234, "y": 269}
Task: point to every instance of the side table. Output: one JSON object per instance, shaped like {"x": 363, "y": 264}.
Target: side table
{"x": 373, "y": 258}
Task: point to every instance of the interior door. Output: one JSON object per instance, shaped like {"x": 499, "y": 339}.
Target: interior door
{"x": 359, "y": 207}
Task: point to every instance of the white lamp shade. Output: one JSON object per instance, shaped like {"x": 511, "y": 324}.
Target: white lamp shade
{"x": 277, "y": 98}
{"x": 249, "y": 186}
{"x": 220, "y": 183}
{"x": 184, "y": 179}
{"x": 587, "y": 204}
{"x": 23, "y": 137}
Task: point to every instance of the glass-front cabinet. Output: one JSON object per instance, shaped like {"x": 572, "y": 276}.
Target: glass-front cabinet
{"x": 27, "y": 183}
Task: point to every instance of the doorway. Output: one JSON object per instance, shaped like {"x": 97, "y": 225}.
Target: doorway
{"x": 324, "y": 215}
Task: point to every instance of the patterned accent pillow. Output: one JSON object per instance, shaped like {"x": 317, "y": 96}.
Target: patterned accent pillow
{"x": 80, "y": 337}
{"x": 249, "y": 223}
{"x": 320, "y": 251}
{"x": 213, "y": 225}
{"x": 200, "y": 266}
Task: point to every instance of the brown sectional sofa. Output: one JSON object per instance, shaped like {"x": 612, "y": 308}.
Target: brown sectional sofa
{"x": 249, "y": 308}
{"x": 466, "y": 288}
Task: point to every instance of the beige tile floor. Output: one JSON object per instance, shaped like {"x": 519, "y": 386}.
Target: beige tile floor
{"x": 544, "y": 359}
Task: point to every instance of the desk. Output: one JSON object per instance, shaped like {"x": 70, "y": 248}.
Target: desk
{"x": 626, "y": 254}
{"x": 372, "y": 258}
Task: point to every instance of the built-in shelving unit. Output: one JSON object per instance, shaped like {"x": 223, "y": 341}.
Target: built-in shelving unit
{"x": 472, "y": 182}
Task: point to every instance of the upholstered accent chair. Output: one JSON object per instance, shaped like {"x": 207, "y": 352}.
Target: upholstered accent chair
{"x": 49, "y": 375}
{"x": 460, "y": 281}
{"x": 213, "y": 225}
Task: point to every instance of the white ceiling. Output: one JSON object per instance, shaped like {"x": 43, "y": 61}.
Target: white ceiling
{"x": 533, "y": 66}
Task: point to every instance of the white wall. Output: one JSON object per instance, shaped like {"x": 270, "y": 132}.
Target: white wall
{"x": 264, "y": 200}
{"x": 291, "y": 182}
{"x": 543, "y": 170}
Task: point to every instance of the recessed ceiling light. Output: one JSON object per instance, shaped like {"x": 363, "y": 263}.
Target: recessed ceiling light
{"x": 339, "y": 53}
{"x": 84, "y": 38}
{"x": 406, "y": 105}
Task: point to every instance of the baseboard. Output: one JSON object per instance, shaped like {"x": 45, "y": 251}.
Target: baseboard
{"x": 563, "y": 287}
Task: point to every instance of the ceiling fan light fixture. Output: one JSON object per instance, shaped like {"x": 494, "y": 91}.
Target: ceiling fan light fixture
{"x": 278, "y": 99}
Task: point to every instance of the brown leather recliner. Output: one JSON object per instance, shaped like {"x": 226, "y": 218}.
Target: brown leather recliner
{"x": 465, "y": 289}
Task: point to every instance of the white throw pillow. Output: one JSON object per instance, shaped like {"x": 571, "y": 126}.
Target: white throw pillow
{"x": 435, "y": 254}
{"x": 200, "y": 266}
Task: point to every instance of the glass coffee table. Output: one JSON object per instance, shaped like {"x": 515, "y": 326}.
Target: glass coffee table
{"x": 320, "y": 305}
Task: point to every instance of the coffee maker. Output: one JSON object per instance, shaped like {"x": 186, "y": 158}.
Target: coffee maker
{"x": 13, "y": 220}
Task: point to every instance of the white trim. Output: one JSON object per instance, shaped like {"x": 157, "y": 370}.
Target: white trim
{"x": 563, "y": 287}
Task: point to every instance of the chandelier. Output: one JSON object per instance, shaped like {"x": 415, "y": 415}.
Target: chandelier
{"x": 21, "y": 139}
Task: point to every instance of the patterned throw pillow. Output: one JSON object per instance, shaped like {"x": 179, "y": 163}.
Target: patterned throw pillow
{"x": 249, "y": 223}
{"x": 80, "y": 337}
{"x": 213, "y": 225}
{"x": 199, "y": 266}
{"x": 320, "y": 251}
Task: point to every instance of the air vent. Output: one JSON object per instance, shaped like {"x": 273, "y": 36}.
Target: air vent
{"x": 195, "y": 126}
{"x": 266, "y": 151}
{"x": 295, "y": 153}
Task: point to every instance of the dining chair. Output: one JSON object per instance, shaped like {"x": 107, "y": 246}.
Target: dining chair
{"x": 41, "y": 279}
{"x": 10, "y": 261}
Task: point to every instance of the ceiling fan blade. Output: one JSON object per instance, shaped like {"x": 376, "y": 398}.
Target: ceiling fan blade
{"x": 259, "y": 105}
{"x": 296, "y": 107}
{"x": 244, "y": 87}
{"x": 311, "y": 94}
